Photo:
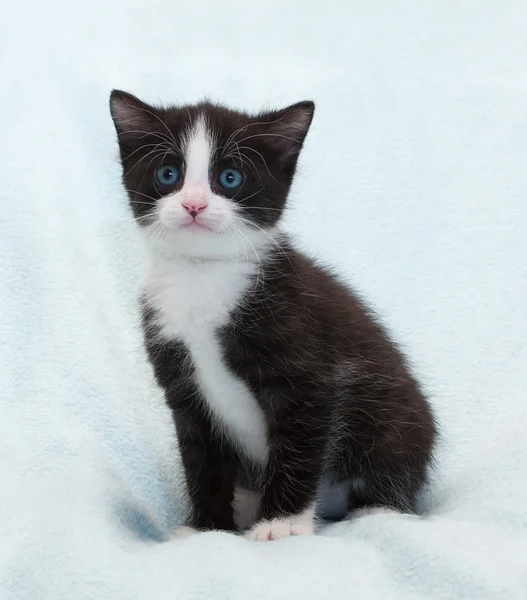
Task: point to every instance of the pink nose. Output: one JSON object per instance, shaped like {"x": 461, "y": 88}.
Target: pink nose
{"x": 193, "y": 208}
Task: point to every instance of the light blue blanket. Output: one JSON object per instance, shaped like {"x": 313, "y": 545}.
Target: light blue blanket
{"x": 413, "y": 184}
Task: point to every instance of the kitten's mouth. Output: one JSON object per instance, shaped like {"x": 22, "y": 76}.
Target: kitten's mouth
{"x": 195, "y": 226}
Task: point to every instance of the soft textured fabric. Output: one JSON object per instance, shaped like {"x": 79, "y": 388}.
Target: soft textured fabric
{"x": 413, "y": 184}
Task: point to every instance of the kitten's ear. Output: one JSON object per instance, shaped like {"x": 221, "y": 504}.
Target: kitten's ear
{"x": 287, "y": 130}
{"x": 131, "y": 115}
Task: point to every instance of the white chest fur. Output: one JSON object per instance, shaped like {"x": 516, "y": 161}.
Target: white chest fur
{"x": 193, "y": 300}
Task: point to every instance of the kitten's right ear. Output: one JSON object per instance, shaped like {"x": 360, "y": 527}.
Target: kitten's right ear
{"x": 131, "y": 115}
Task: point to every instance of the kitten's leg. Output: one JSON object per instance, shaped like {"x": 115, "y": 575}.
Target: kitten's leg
{"x": 384, "y": 492}
{"x": 333, "y": 499}
{"x": 297, "y": 440}
{"x": 210, "y": 469}
{"x": 389, "y": 438}
{"x": 245, "y": 506}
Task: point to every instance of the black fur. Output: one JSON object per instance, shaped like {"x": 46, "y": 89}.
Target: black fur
{"x": 339, "y": 399}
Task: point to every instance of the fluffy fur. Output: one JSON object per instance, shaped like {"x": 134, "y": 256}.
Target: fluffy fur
{"x": 279, "y": 378}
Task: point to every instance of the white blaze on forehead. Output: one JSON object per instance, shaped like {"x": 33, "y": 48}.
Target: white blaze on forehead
{"x": 198, "y": 148}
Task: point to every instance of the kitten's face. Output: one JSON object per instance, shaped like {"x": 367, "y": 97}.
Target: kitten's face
{"x": 204, "y": 180}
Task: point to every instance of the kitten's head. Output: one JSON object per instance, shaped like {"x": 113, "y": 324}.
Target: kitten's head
{"x": 204, "y": 180}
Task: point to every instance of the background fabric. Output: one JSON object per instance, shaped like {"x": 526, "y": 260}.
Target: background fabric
{"x": 413, "y": 184}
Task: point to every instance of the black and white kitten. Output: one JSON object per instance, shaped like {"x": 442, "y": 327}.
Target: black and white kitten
{"x": 279, "y": 379}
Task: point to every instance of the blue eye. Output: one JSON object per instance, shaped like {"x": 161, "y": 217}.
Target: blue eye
{"x": 230, "y": 179}
{"x": 167, "y": 175}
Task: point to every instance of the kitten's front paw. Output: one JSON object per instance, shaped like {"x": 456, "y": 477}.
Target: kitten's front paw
{"x": 278, "y": 528}
{"x": 183, "y": 532}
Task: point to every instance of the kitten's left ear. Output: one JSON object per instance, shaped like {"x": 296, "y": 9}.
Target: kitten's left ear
{"x": 287, "y": 129}
{"x": 131, "y": 115}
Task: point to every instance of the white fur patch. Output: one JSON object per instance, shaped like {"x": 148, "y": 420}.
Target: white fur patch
{"x": 228, "y": 397}
{"x": 369, "y": 511}
{"x": 183, "y": 532}
{"x": 198, "y": 147}
{"x": 193, "y": 300}
{"x": 302, "y": 524}
{"x": 197, "y": 277}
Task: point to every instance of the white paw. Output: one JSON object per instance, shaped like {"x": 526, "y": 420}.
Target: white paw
{"x": 183, "y": 532}
{"x": 245, "y": 507}
{"x": 370, "y": 511}
{"x": 275, "y": 529}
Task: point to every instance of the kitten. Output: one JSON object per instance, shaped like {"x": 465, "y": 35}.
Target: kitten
{"x": 279, "y": 379}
